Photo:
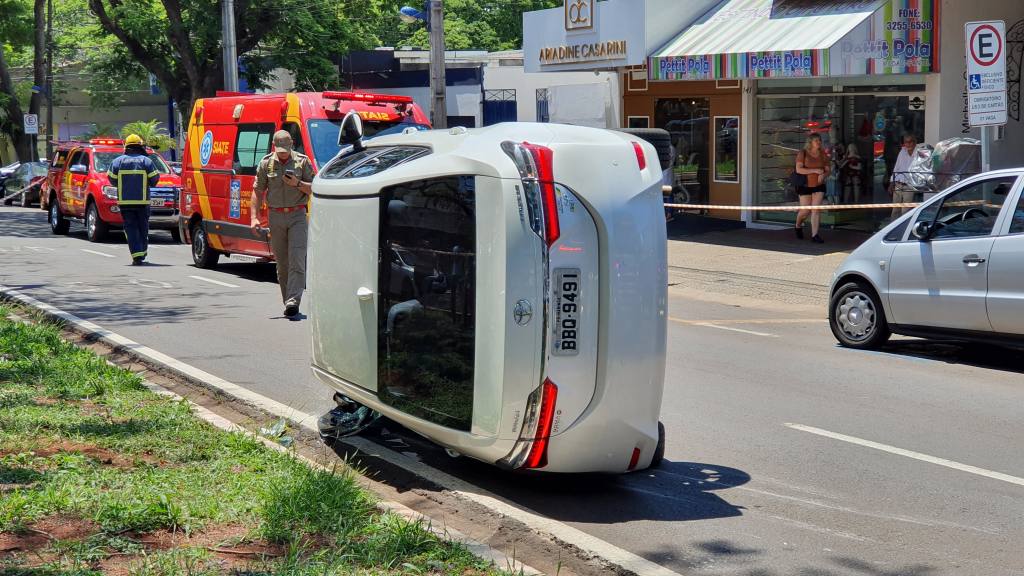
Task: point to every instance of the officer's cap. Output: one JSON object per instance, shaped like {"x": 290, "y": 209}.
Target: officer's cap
{"x": 282, "y": 141}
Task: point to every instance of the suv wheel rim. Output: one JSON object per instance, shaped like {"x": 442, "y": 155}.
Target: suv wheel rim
{"x": 53, "y": 215}
{"x": 856, "y": 316}
{"x": 90, "y": 222}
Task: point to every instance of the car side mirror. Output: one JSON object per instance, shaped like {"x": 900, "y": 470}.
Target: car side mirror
{"x": 351, "y": 132}
{"x": 922, "y": 231}
{"x": 79, "y": 169}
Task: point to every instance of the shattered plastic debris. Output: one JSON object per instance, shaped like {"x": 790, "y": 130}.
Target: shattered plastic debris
{"x": 274, "y": 431}
{"x": 339, "y": 423}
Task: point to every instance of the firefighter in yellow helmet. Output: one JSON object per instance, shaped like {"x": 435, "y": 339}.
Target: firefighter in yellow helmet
{"x": 133, "y": 173}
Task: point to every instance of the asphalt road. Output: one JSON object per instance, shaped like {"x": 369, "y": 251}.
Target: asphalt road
{"x": 786, "y": 454}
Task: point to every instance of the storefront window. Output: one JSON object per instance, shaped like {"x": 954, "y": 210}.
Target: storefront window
{"x": 861, "y": 134}
{"x": 727, "y": 138}
{"x": 688, "y": 122}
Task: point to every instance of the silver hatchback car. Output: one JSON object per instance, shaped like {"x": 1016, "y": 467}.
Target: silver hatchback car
{"x": 951, "y": 268}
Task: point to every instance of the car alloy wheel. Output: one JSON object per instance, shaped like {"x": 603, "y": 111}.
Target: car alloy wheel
{"x": 856, "y": 316}
{"x": 90, "y": 223}
{"x": 54, "y": 215}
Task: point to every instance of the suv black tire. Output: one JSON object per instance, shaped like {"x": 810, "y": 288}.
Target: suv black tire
{"x": 660, "y": 139}
{"x": 202, "y": 253}
{"x": 96, "y": 230}
{"x": 856, "y": 316}
{"x": 659, "y": 450}
{"x": 58, "y": 223}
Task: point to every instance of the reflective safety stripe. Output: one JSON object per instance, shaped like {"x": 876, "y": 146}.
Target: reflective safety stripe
{"x": 138, "y": 254}
{"x": 143, "y": 177}
{"x": 153, "y": 173}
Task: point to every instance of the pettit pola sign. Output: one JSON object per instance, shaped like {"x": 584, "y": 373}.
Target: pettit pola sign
{"x": 584, "y": 35}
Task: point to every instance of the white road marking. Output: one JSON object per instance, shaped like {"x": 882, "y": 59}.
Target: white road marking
{"x": 553, "y": 529}
{"x": 104, "y": 254}
{"x": 734, "y": 321}
{"x": 217, "y": 282}
{"x": 731, "y": 329}
{"x": 147, "y": 283}
{"x": 910, "y": 454}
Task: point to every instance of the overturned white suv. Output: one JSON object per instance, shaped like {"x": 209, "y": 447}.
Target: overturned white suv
{"x": 501, "y": 291}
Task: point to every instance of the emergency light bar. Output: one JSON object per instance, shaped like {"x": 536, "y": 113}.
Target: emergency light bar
{"x": 107, "y": 141}
{"x": 371, "y": 98}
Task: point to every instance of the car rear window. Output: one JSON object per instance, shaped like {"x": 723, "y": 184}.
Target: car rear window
{"x": 371, "y": 161}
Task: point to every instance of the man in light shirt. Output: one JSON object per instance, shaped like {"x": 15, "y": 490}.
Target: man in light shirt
{"x": 900, "y": 187}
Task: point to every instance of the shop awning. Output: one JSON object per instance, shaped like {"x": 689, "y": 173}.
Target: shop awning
{"x": 802, "y": 38}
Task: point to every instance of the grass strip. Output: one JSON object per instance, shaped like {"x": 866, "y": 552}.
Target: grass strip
{"x": 98, "y": 475}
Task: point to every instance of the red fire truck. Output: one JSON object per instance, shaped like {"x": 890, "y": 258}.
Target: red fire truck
{"x": 228, "y": 136}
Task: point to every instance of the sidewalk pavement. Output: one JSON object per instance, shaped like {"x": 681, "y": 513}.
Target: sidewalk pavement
{"x": 766, "y": 264}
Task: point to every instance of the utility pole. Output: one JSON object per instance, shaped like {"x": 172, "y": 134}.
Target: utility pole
{"x": 438, "y": 106}
{"x": 49, "y": 80}
{"x": 230, "y": 51}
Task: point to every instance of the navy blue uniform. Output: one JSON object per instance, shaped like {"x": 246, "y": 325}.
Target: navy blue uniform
{"x": 134, "y": 173}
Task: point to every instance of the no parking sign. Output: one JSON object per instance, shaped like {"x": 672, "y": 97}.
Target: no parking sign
{"x": 986, "y": 72}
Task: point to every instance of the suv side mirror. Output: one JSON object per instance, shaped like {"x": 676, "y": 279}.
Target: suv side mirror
{"x": 922, "y": 231}
{"x": 79, "y": 169}
{"x": 351, "y": 132}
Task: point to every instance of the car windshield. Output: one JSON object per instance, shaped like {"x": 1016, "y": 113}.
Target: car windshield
{"x": 103, "y": 160}
{"x": 323, "y": 133}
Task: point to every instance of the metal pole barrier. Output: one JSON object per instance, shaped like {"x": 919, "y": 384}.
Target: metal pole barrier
{"x": 986, "y": 152}
{"x": 230, "y": 50}
{"x": 439, "y": 108}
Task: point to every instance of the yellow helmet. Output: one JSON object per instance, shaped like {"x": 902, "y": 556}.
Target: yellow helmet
{"x": 134, "y": 140}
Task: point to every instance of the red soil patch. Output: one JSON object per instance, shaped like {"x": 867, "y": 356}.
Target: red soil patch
{"x": 101, "y": 455}
{"x": 43, "y": 532}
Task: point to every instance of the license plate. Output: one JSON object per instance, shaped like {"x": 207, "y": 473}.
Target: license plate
{"x": 567, "y": 303}
{"x": 159, "y": 202}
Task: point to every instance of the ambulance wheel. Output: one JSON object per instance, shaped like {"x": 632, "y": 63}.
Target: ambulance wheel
{"x": 58, "y": 223}
{"x": 202, "y": 253}
{"x": 176, "y": 235}
{"x": 659, "y": 450}
{"x": 95, "y": 228}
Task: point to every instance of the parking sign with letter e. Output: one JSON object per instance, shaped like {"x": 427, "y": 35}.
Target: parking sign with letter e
{"x": 986, "y": 72}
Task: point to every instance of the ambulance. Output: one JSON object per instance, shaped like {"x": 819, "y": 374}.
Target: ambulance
{"x": 228, "y": 136}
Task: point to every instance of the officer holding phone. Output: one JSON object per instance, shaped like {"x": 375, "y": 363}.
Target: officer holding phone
{"x": 284, "y": 181}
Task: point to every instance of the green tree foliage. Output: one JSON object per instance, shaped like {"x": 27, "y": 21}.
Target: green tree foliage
{"x": 179, "y": 41}
{"x": 469, "y": 24}
{"x": 151, "y": 132}
{"x": 16, "y": 27}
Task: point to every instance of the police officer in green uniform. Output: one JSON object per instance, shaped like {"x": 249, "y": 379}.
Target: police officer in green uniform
{"x": 284, "y": 182}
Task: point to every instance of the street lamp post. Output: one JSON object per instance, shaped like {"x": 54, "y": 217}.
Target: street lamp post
{"x": 434, "y": 17}
{"x": 49, "y": 80}
{"x": 230, "y": 49}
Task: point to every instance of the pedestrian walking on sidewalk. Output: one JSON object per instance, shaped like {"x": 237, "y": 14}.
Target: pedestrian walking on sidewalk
{"x": 133, "y": 173}
{"x": 900, "y": 187}
{"x": 813, "y": 163}
{"x": 284, "y": 182}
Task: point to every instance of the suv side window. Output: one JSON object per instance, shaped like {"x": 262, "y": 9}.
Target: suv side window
{"x": 76, "y": 159}
{"x": 371, "y": 161}
{"x": 969, "y": 212}
{"x": 59, "y": 158}
{"x": 1017, "y": 224}
{"x": 251, "y": 145}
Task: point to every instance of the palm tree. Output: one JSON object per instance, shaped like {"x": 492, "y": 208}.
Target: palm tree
{"x": 151, "y": 132}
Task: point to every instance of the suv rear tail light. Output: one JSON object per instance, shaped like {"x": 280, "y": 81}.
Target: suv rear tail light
{"x": 531, "y": 450}
{"x": 641, "y": 158}
{"x": 536, "y": 168}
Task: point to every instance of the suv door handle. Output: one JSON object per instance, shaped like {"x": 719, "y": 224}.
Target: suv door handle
{"x": 973, "y": 260}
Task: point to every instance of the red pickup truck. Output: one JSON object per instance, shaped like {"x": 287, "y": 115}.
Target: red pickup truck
{"x": 77, "y": 188}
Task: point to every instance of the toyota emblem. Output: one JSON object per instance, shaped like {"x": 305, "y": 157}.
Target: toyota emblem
{"x": 523, "y": 312}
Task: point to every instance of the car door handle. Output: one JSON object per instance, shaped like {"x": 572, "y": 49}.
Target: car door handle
{"x": 973, "y": 260}
{"x": 364, "y": 293}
